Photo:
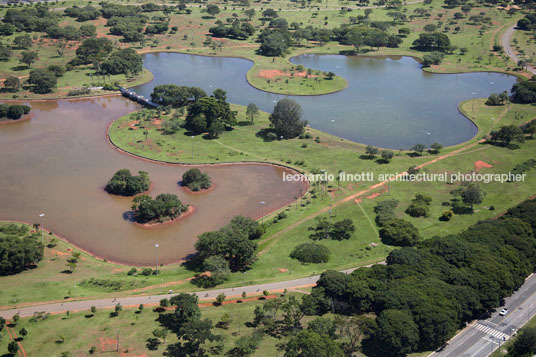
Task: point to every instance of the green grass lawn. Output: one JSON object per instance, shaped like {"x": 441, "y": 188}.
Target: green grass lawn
{"x": 82, "y": 330}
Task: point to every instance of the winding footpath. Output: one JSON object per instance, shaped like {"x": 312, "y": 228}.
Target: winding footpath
{"x": 505, "y": 41}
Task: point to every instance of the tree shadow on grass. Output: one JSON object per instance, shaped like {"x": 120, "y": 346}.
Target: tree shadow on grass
{"x": 266, "y": 134}
{"x": 19, "y": 68}
{"x": 367, "y": 157}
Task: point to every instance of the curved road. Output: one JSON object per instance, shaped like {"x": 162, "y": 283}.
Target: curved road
{"x": 505, "y": 41}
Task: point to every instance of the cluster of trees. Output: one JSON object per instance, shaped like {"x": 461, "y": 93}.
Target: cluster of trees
{"x": 71, "y": 33}
{"x": 130, "y": 27}
{"x": 210, "y": 114}
{"x": 18, "y": 249}
{"x": 358, "y": 36}
{"x": 13, "y": 112}
{"x": 276, "y": 38}
{"x": 196, "y": 180}
{"x": 424, "y": 294}
{"x": 176, "y": 96}
{"x": 466, "y": 196}
{"x": 286, "y": 119}
{"x": 33, "y": 19}
{"x": 310, "y": 253}
{"x": 93, "y": 50}
{"x": 419, "y": 206}
{"x": 497, "y": 99}
{"x": 98, "y": 51}
{"x": 193, "y": 334}
{"x": 433, "y": 42}
{"x": 125, "y": 184}
{"x": 399, "y": 232}
{"x": 82, "y": 14}
{"x": 433, "y": 58}
{"x": 340, "y": 230}
{"x": 236, "y": 31}
{"x": 372, "y": 151}
{"x": 524, "y": 92}
{"x": 43, "y": 80}
{"x": 164, "y": 207}
{"x": 123, "y": 61}
{"x": 233, "y": 244}
{"x": 527, "y": 23}
{"x": 507, "y": 134}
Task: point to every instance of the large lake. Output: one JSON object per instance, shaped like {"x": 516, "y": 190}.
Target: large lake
{"x": 389, "y": 102}
{"x": 59, "y": 162}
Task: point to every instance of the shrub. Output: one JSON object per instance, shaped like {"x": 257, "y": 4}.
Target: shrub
{"x": 310, "y": 253}
{"x": 446, "y": 215}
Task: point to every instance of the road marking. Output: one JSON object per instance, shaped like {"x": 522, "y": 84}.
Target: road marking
{"x": 490, "y": 331}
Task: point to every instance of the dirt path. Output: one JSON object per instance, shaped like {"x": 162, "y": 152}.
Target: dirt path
{"x": 13, "y": 336}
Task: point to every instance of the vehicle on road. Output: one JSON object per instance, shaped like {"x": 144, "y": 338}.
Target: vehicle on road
{"x": 503, "y": 312}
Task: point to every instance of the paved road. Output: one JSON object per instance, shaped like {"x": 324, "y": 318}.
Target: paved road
{"x": 483, "y": 337}
{"x": 505, "y": 41}
{"x": 154, "y": 299}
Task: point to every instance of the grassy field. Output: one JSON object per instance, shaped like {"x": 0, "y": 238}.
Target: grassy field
{"x": 79, "y": 331}
{"x": 524, "y": 42}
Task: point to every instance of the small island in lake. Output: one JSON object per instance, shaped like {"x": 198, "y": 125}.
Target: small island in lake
{"x": 125, "y": 184}
{"x": 165, "y": 207}
{"x": 13, "y": 112}
{"x": 196, "y": 180}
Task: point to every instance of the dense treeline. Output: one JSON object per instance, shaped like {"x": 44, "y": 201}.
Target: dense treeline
{"x": 18, "y": 249}
{"x": 524, "y": 92}
{"x": 125, "y": 184}
{"x": 13, "y": 112}
{"x": 435, "y": 288}
{"x": 35, "y": 19}
{"x": 276, "y": 38}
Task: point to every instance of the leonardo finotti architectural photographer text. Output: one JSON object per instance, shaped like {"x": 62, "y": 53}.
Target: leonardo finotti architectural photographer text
{"x": 402, "y": 176}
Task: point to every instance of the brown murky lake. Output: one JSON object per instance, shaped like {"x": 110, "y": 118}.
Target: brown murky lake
{"x": 58, "y": 162}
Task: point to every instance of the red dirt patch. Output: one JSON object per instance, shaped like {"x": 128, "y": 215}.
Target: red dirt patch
{"x": 481, "y": 164}
{"x": 132, "y": 124}
{"x": 282, "y": 270}
{"x": 107, "y": 344}
{"x": 59, "y": 253}
{"x": 374, "y": 195}
{"x": 272, "y": 73}
{"x": 358, "y": 200}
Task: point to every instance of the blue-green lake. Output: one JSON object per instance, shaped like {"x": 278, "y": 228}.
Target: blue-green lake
{"x": 389, "y": 102}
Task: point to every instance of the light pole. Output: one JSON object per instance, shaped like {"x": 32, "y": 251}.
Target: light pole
{"x": 156, "y": 245}
{"x": 332, "y": 123}
{"x": 281, "y": 139}
{"x": 192, "y": 147}
{"x": 42, "y": 215}
{"x": 473, "y": 106}
{"x": 262, "y": 211}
